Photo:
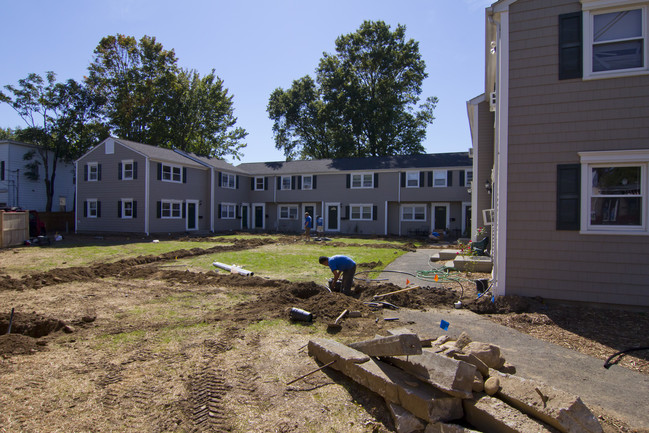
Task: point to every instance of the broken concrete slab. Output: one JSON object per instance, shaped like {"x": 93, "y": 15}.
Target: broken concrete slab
{"x": 425, "y": 341}
{"x": 440, "y": 427}
{"x": 394, "y": 345}
{"x": 450, "y": 375}
{"x": 421, "y": 399}
{"x": 404, "y": 421}
{"x": 492, "y": 415}
{"x": 565, "y": 412}
{"x": 487, "y": 353}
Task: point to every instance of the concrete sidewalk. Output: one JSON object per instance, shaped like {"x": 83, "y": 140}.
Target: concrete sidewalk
{"x": 619, "y": 391}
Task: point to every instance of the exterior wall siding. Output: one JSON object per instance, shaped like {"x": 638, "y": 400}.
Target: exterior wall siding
{"x": 550, "y": 121}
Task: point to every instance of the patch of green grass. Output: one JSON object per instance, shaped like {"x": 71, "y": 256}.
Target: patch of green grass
{"x": 115, "y": 341}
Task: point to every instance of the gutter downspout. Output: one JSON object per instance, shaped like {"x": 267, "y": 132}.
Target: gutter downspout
{"x": 147, "y": 185}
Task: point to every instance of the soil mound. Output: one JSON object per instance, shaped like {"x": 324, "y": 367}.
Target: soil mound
{"x": 499, "y": 305}
{"x": 17, "y": 344}
{"x": 30, "y": 324}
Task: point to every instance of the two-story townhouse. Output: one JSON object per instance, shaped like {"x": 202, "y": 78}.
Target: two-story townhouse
{"x": 126, "y": 186}
{"x": 24, "y": 187}
{"x": 567, "y": 86}
{"x": 401, "y": 195}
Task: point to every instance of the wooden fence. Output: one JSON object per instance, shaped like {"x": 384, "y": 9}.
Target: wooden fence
{"x": 14, "y": 228}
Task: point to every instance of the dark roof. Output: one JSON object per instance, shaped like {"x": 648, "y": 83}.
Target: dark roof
{"x": 157, "y": 153}
{"x": 397, "y": 162}
{"x": 218, "y": 164}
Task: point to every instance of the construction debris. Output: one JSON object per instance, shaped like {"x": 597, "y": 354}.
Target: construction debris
{"x": 445, "y": 383}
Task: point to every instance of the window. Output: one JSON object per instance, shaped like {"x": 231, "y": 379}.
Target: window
{"x": 439, "y": 178}
{"x": 413, "y": 213}
{"x": 171, "y": 173}
{"x": 128, "y": 170}
{"x": 228, "y": 211}
{"x": 171, "y": 209}
{"x": 307, "y": 182}
{"x": 469, "y": 176}
{"x": 126, "y": 208}
{"x": 614, "y": 192}
{"x": 615, "y": 42}
{"x": 259, "y": 183}
{"x": 362, "y": 180}
{"x": 412, "y": 179}
{"x": 93, "y": 172}
{"x": 286, "y": 182}
{"x": 288, "y": 212}
{"x": 92, "y": 210}
{"x": 228, "y": 180}
{"x": 362, "y": 212}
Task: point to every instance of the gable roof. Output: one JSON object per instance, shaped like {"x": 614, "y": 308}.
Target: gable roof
{"x": 395, "y": 162}
{"x": 215, "y": 163}
{"x": 156, "y": 153}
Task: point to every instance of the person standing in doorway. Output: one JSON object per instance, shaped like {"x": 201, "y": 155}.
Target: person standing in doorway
{"x": 308, "y": 223}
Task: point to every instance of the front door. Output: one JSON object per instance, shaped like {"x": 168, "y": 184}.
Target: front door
{"x": 333, "y": 217}
{"x": 258, "y": 216}
{"x": 311, "y": 210}
{"x": 244, "y": 217}
{"x": 440, "y": 218}
{"x": 192, "y": 215}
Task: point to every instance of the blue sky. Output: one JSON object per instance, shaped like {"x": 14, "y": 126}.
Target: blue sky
{"x": 255, "y": 46}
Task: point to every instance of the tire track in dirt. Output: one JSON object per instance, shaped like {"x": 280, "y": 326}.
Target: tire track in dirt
{"x": 207, "y": 390}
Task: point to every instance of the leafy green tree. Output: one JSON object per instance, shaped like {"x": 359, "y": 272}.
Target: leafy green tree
{"x": 151, "y": 100}
{"x": 7, "y": 134}
{"x": 60, "y": 118}
{"x": 363, "y": 101}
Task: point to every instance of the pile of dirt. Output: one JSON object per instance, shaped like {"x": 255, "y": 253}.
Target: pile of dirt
{"x": 498, "y": 305}
{"x": 17, "y": 344}
{"x": 31, "y": 324}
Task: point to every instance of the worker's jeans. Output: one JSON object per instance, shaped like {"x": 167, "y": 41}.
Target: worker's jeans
{"x": 348, "y": 279}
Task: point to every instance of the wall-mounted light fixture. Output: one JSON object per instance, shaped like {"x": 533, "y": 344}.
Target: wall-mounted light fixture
{"x": 487, "y": 185}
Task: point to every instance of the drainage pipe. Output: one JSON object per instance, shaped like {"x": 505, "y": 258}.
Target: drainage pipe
{"x": 233, "y": 269}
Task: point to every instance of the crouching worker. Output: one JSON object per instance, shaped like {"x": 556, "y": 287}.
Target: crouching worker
{"x": 341, "y": 264}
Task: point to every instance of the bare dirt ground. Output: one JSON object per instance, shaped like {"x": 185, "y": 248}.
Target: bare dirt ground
{"x": 133, "y": 347}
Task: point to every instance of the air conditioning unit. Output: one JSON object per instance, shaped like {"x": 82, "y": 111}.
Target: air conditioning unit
{"x": 492, "y": 101}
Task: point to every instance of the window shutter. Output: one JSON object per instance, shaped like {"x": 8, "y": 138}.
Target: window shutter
{"x": 266, "y": 183}
{"x": 85, "y": 209}
{"x": 293, "y": 182}
{"x": 568, "y": 196}
{"x": 279, "y": 183}
{"x": 299, "y": 182}
{"x": 347, "y": 212}
{"x": 375, "y": 211}
{"x": 159, "y": 213}
{"x": 349, "y": 180}
{"x": 98, "y": 209}
{"x": 252, "y": 183}
{"x": 85, "y": 172}
{"x": 134, "y": 209}
{"x": 159, "y": 171}
{"x": 462, "y": 178}
{"x": 313, "y": 183}
{"x": 403, "y": 180}
{"x": 220, "y": 175}
{"x": 430, "y": 178}
{"x": 98, "y": 171}
{"x": 119, "y": 208}
{"x": 422, "y": 179}
{"x": 237, "y": 212}
{"x": 376, "y": 180}
{"x": 218, "y": 215}
{"x": 449, "y": 178}
{"x": 184, "y": 211}
{"x": 237, "y": 182}
{"x": 134, "y": 170}
{"x": 184, "y": 174}
{"x": 570, "y": 46}
{"x": 119, "y": 171}
{"x": 2, "y": 170}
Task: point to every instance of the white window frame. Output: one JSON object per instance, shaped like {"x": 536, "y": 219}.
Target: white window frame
{"x": 359, "y": 181}
{"x": 174, "y": 211}
{"x": 412, "y": 208}
{"x": 258, "y": 179}
{"x": 410, "y": 176}
{"x": 468, "y": 177}
{"x": 591, "y": 9}
{"x": 440, "y": 175}
{"x": 228, "y": 180}
{"x": 93, "y": 172}
{"x": 304, "y": 181}
{"x": 623, "y": 158}
{"x": 285, "y": 183}
{"x": 125, "y": 170}
{"x": 228, "y": 211}
{"x": 124, "y": 214}
{"x": 173, "y": 172}
{"x": 288, "y": 212}
{"x": 361, "y": 212}
{"x": 92, "y": 210}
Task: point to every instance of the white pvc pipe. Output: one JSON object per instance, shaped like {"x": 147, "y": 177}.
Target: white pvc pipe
{"x": 233, "y": 269}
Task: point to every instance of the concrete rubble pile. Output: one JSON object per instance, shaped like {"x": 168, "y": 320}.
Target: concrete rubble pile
{"x": 453, "y": 386}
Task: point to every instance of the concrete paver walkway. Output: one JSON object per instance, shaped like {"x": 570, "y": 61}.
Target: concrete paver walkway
{"x": 621, "y": 392}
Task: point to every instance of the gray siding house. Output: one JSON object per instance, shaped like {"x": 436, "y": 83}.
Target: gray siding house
{"x": 19, "y": 190}
{"x": 132, "y": 187}
{"x": 565, "y": 123}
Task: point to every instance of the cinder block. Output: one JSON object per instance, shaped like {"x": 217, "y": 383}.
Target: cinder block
{"x": 450, "y": 375}
{"x": 394, "y": 345}
{"x": 492, "y": 415}
{"x": 563, "y": 411}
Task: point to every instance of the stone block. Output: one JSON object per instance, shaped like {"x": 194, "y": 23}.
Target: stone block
{"x": 487, "y": 353}
{"x": 404, "y": 421}
{"x": 471, "y": 359}
{"x": 394, "y": 345}
{"x": 329, "y": 350}
{"x": 489, "y": 414}
{"x": 450, "y": 375}
{"x": 440, "y": 427}
{"x": 565, "y": 412}
{"x": 425, "y": 340}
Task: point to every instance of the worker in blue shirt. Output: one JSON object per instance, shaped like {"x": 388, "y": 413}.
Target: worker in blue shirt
{"x": 308, "y": 223}
{"x": 344, "y": 265}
